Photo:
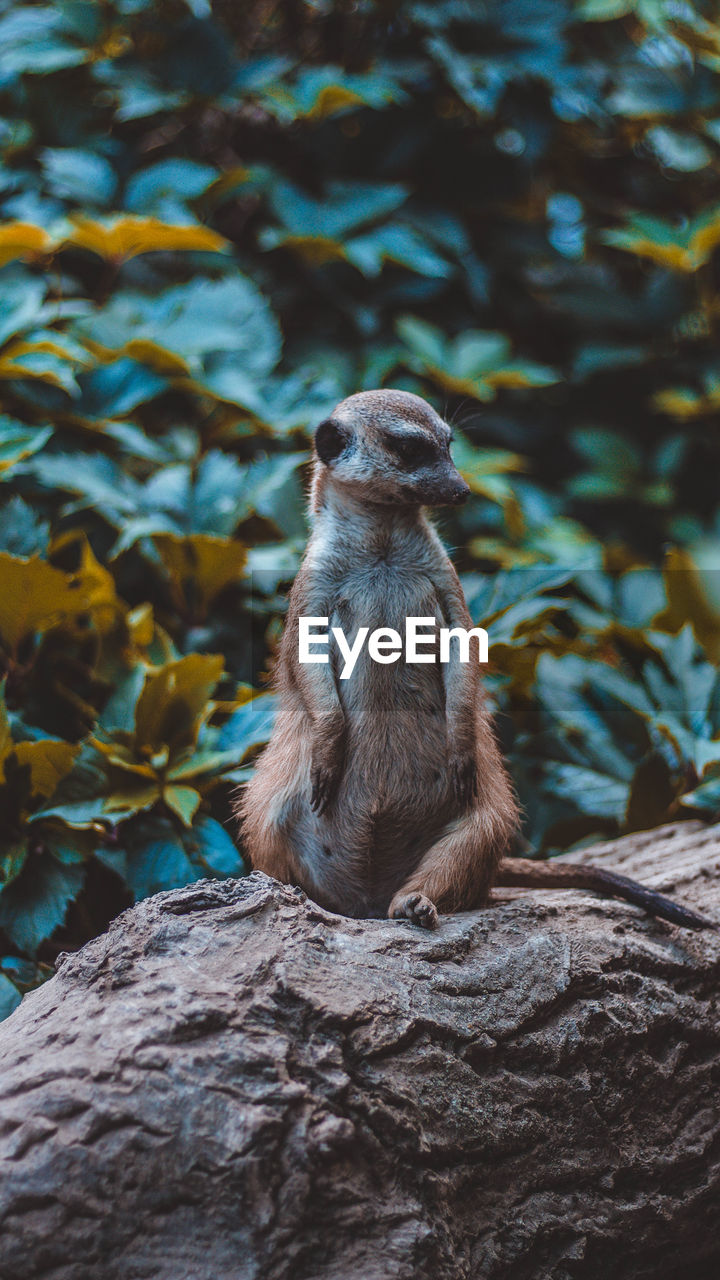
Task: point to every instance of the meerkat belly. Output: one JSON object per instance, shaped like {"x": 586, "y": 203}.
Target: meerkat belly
{"x": 396, "y": 747}
{"x": 393, "y": 795}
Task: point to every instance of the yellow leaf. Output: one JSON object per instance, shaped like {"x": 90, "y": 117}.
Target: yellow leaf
{"x": 20, "y": 441}
{"x": 141, "y": 625}
{"x": 679, "y": 403}
{"x": 676, "y": 256}
{"x": 174, "y": 698}
{"x": 122, "y": 758}
{"x": 226, "y": 184}
{"x": 705, "y": 239}
{"x": 133, "y": 799}
{"x": 12, "y": 364}
{"x": 129, "y": 236}
{"x": 33, "y": 597}
{"x": 15, "y": 371}
{"x": 512, "y": 378}
{"x": 23, "y": 348}
{"x": 49, "y": 763}
{"x": 331, "y": 99}
{"x": 243, "y": 693}
{"x": 476, "y": 388}
{"x": 519, "y": 661}
{"x": 200, "y": 567}
{"x": 5, "y": 734}
{"x": 143, "y": 350}
{"x": 153, "y": 354}
{"x": 105, "y": 355}
{"x": 22, "y": 240}
{"x": 114, "y": 45}
{"x": 94, "y": 581}
{"x": 315, "y": 249}
{"x": 688, "y": 601}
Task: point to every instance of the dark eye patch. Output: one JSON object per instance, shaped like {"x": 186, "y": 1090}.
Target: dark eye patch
{"x": 412, "y": 450}
{"x": 330, "y": 440}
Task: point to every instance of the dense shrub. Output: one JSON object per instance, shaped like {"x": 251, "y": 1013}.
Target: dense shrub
{"x": 218, "y": 219}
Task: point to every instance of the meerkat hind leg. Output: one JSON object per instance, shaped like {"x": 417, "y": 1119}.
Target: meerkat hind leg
{"x": 457, "y": 871}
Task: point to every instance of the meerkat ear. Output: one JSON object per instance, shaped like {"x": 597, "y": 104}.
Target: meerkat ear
{"x": 330, "y": 440}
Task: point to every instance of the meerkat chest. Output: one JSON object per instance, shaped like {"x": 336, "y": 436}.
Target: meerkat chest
{"x": 379, "y": 604}
{"x": 383, "y": 594}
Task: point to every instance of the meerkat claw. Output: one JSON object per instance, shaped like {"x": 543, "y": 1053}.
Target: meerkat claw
{"x": 323, "y": 787}
{"x": 416, "y": 908}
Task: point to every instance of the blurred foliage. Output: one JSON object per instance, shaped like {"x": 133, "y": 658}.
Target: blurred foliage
{"x": 219, "y": 219}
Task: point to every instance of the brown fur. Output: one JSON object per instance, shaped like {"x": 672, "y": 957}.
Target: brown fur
{"x": 386, "y": 793}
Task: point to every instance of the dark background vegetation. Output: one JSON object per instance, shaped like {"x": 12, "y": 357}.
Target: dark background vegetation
{"x": 217, "y": 220}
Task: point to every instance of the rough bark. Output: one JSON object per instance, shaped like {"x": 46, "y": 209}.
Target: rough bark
{"x": 233, "y": 1083}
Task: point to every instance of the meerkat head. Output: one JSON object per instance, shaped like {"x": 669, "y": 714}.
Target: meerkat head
{"x": 390, "y": 447}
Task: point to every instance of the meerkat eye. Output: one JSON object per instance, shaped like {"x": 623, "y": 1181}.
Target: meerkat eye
{"x": 413, "y": 451}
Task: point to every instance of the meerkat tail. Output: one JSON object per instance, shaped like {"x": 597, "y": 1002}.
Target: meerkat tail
{"x": 526, "y": 873}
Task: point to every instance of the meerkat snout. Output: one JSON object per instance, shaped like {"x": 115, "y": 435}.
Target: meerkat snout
{"x": 460, "y": 493}
{"x": 390, "y": 447}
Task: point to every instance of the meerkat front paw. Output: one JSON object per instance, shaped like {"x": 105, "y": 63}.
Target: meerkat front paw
{"x": 416, "y": 908}
{"x": 464, "y": 777}
{"x": 325, "y": 778}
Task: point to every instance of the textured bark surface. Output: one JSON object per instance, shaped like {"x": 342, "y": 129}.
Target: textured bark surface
{"x": 234, "y": 1083}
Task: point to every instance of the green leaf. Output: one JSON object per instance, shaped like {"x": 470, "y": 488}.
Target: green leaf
{"x": 37, "y": 40}
{"x": 212, "y": 848}
{"x": 591, "y": 792}
{"x": 12, "y": 860}
{"x": 424, "y": 339}
{"x": 156, "y": 858}
{"x": 183, "y": 801}
{"x": 10, "y": 997}
{"x": 603, "y": 10}
{"x": 475, "y": 364}
{"x": 683, "y": 152}
{"x": 250, "y": 726}
{"x": 79, "y": 175}
{"x": 203, "y": 765}
{"x": 18, "y": 441}
{"x": 319, "y": 92}
{"x": 76, "y": 813}
{"x": 35, "y": 904}
{"x": 344, "y": 207}
{"x": 22, "y": 532}
{"x": 165, "y": 188}
{"x": 195, "y": 323}
{"x": 681, "y": 248}
{"x": 395, "y": 243}
{"x": 22, "y": 296}
{"x": 705, "y": 798}
{"x": 119, "y": 711}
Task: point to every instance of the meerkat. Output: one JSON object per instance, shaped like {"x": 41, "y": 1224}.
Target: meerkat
{"x": 386, "y": 793}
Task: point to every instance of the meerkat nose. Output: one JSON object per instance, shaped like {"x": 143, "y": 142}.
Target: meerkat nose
{"x": 461, "y": 492}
